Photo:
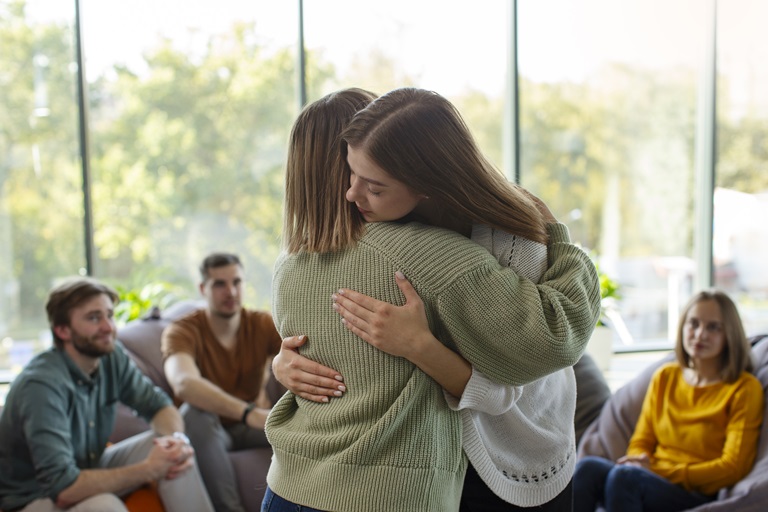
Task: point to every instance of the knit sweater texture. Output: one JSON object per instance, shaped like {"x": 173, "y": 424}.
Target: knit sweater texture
{"x": 392, "y": 443}
{"x": 701, "y": 437}
{"x": 521, "y": 440}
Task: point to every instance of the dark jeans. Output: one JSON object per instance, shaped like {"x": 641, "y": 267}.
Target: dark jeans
{"x": 628, "y": 489}
{"x": 274, "y": 503}
{"x": 477, "y": 497}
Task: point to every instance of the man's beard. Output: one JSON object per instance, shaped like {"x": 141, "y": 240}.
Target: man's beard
{"x": 87, "y": 347}
{"x": 225, "y": 314}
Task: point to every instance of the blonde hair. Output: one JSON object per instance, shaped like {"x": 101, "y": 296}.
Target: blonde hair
{"x": 736, "y": 356}
{"x": 420, "y": 139}
{"x": 318, "y": 217}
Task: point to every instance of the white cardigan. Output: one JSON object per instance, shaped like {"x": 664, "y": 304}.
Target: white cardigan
{"x": 520, "y": 440}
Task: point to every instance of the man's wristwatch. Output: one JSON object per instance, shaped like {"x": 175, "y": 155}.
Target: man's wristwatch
{"x": 181, "y": 436}
{"x": 248, "y": 408}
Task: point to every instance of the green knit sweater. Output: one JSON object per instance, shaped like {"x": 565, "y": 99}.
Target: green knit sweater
{"x": 391, "y": 443}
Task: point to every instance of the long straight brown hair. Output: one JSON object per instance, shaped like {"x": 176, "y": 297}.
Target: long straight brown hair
{"x": 420, "y": 139}
{"x": 318, "y": 218}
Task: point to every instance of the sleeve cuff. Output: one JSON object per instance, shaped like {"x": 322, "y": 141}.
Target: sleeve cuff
{"x": 558, "y": 233}
{"x": 66, "y": 479}
{"x": 484, "y": 395}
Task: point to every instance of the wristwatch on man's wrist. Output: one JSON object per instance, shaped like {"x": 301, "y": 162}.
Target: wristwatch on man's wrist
{"x": 248, "y": 408}
{"x": 181, "y": 436}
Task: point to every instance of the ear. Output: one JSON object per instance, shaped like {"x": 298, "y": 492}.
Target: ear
{"x": 63, "y": 332}
{"x": 201, "y": 287}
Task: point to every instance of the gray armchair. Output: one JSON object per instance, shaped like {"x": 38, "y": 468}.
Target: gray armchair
{"x": 609, "y": 434}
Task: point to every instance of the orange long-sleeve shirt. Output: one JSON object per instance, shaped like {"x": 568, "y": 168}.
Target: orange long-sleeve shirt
{"x": 703, "y": 438}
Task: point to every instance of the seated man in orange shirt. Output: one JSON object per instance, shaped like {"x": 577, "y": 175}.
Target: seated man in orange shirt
{"x": 215, "y": 360}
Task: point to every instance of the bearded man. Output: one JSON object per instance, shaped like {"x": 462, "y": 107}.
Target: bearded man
{"x": 61, "y": 409}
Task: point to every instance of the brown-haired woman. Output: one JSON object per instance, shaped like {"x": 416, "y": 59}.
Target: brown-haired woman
{"x": 392, "y": 443}
{"x": 699, "y": 425}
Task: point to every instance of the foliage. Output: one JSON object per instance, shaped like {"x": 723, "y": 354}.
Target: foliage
{"x": 198, "y": 166}
{"x": 609, "y": 288}
{"x": 743, "y": 155}
{"x": 187, "y": 156}
{"x": 609, "y": 291}
{"x": 597, "y": 162}
{"x": 137, "y": 302}
{"x": 40, "y": 186}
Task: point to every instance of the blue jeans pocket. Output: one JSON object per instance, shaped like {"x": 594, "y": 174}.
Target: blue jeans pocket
{"x": 274, "y": 503}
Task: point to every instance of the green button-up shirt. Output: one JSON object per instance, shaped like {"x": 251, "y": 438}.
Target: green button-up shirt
{"x": 57, "y": 420}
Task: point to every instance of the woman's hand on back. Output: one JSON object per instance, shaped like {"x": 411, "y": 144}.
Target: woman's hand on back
{"x": 403, "y": 331}
{"x": 397, "y": 330}
{"x": 304, "y": 377}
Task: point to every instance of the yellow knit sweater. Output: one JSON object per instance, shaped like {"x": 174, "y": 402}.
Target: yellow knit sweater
{"x": 703, "y": 438}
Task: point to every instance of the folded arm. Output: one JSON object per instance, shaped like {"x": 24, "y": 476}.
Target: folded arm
{"x": 190, "y": 386}
{"x": 400, "y": 331}
{"x": 739, "y": 450}
{"x": 515, "y": 331}
{"x": 168, "y": 458}
{"x": 558, "y": 320}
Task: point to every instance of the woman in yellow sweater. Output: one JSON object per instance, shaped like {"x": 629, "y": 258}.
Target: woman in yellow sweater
{"x": 699, "y": 425}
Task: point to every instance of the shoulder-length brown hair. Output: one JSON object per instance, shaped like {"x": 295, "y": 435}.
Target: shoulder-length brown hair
{"x": 421, "y": 140}
{"x": 318, "y": 217}
{"x": 736, "y": 356}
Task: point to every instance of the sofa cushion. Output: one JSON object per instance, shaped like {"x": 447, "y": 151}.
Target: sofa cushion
{"x": 608, "y": 436}
{"x": 752, "y": 490}
{"x": 592, "y": 392}
{"x": 141, "y": 339}
{"x": 251, "y": 467}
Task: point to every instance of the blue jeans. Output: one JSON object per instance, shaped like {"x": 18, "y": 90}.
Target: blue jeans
{"x": 274, "y": 503}
{"x": 627, "y": 489}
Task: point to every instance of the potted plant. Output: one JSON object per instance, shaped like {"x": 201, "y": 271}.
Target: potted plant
{"x": 600, "y": 345}
{"x": 145, "y": 300}
{"x": 609, "y": 294}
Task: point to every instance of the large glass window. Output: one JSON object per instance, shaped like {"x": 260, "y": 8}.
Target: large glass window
{"x": 607, "y": 117}
{"x": 41, "y": 198}
{"x": 190, "y": 107}
{"x": 741, "y": 196}
{"x": 454, "y": 48}
{"x": 190, "y": 111}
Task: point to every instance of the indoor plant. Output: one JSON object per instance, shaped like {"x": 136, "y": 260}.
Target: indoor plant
{"x": 600, "y": 345}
